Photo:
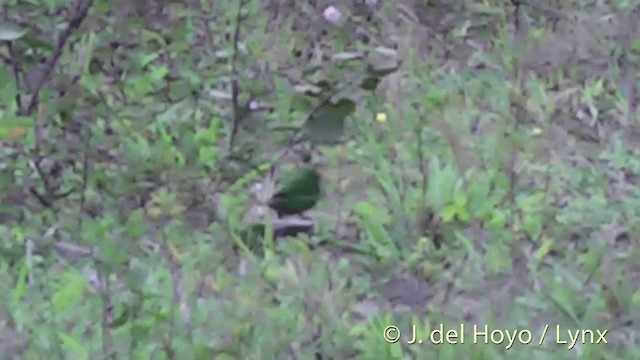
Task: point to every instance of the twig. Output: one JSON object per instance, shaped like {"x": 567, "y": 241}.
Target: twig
{"x": 46, "y": 198}
{"x": 107, "y": 309}
{"x": 517, "y": 110}
{"x": 16, "y": 73}
{"x": 177, "y": 299}
{"x": 85, "y": 178}
{"x": 78, "y": 12}
{"x": 451, "y": 284}
{"x": 237, "y": 118}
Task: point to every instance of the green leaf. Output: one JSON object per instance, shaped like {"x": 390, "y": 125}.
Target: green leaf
{"x": 12, "y": 126}
{"x": 435, "y": 97}
{"x": 36, "y": 42}
{"x": 443, "y": 181}
{"x": 327, "y": 124}
{"x": 73, "y": 345}
{"x": 370, "y": 83}
{"x": 497, "y": 257}
{"x": 10, "y": 31}
{"x": 448, "y": 213}
{"x": 19, "y": 290}
{"x": 158, "y": 73}
{"x": 302, "y": 103}
{"x": 70, "y": 292}
{"x": 635, "y": 46}
{"x": 564, "y": 299}
{"x": 122, "y": 319}
{"x": 325, "y": 85}
{"x": 371, "y": 221}
{"x": 148, "y": 36}
{"x": 369, "y": 210}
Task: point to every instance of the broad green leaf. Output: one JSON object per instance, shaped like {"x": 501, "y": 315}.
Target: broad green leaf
{"x": 146, "y": 59}
{"x": 121, "y": 319}
{"x": 12, "y": 132}
{"x": 435, "y": 97}
{"x": 302, "y": 103}
{"x": 370, "y": 83}
{"x": 635, "y": 46}
{"x": 36, "y": 42}
{"x": 442, "y": 183}
{"x": 448, "y": 212}
{"x": 147, "y": 36}
{"x": 635, "y": 299}
{"x": 12, "y": 126}
{"x": 158, "y": 73}
{"x": 13, "y": 32}
{"x": 325, "y": 85}
{"x": 327, "y": 124}
{"x": 10, "y": 31}
{"x": 564, "y": 299}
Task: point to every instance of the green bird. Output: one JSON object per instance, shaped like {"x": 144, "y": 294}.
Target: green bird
{"x": 298, "y": 194}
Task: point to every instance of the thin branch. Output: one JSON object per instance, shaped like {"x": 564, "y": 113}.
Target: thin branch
{"x": 107, "y": 310}
{"x": 47, "y": 197}
{"x": 16, "y": 73}
{"x": 78, "y": 12}
{"x": 85, "y": 178}
{"x": 237, "y": 118}
{"x": 177, "y": 299}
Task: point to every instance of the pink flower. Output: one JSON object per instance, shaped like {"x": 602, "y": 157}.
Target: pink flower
{"x": 254, "y": 105}
{"x": 331, "y": 14}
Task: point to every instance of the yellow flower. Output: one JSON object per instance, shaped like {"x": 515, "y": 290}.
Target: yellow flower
{"x": 381, "y": 117}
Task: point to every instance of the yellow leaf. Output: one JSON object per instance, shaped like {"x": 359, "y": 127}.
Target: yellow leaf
{"x": 381, "y": 117}
{"x": 13, "y": 133}
{"x": 213, "y": 284}
{"x": 241, "y": 327}
{"x": 154, "y": 211}
{"x": 430, "y": 270}
{"x": 344, "y": 183}
{"x": 422, "y": 243}
{"x": 174, "y": 252}
{"x": 544, "y": 249}
{"x": 358, "y": 329}
{"x": 17, "y": 131}
{"x": 536, "y": 131}
{"x": 176, "y": 210}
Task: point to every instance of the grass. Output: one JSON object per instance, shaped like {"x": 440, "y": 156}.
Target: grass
{"x": 499, "y": 189}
